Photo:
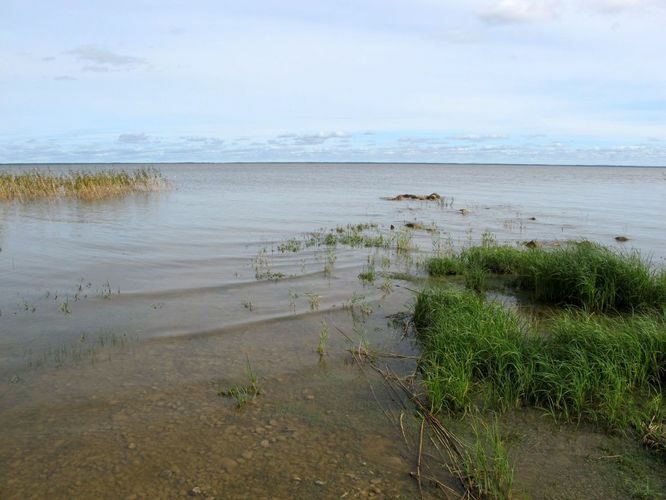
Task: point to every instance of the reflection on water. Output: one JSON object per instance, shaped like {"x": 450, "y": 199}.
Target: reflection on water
{"x": 121, "y": 320}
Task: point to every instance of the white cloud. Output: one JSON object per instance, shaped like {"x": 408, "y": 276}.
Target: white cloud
{"x": 615, "y": 6}
{"x": 100, "y": 59}
{"x": 519, "y": 11}
{"x": 133, "y": 138}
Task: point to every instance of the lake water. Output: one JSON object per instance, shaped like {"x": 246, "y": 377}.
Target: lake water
{"x": 122, "y": 319}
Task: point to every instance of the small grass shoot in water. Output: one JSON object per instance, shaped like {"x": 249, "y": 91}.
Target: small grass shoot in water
{"x": 369, "y": 274}
{"x": 292, "y": 300}
{"x": 323, "y": 339}
{"x": 244, "y": 394}
{"x": 313, "y": 300}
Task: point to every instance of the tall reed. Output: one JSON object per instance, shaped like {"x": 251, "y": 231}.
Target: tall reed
{"x": 91, "y": 185}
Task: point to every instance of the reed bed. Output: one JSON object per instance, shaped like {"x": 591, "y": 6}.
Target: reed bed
{"x": 89, "y": 186}
{"x": 581, "y": 274}
{"x": 480, "y": 355}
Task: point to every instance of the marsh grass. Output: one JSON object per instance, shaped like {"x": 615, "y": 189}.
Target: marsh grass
{"x": 262, "y": 267}
{"x": 87, "y": 348}
{"x": 313, "y": 300}
{"x": 323, "y": 339}
{"x": 581, "y": 274}
{"x": 244, "y": 394}
{"x": 369, "y": 273}
{"x": 485, "y": 464}
{"x": 358, "y": 306}
{"x": 606, "y": 370}
{"x": 387, "y": 286}
{"x": 89, "y": 186}
{"x": 292, "y": 300}
{"x": 445, "y": 266}
{"x": 476, "y": 278}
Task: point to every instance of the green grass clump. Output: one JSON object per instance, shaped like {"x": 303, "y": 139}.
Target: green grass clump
{"x": 486, "y": 465}
{"x": 445, "y": 266}
{"x": 592, "y": 276}
{"x": 582, "y": 274}
{"x": 470, "y": 345}
{"x": 602, "y": 369}
{"x": 475, "y": 278}
{"x": 494, "y": 259}
{"x": 89, "y": 186}
{"x": 243, "y": 394}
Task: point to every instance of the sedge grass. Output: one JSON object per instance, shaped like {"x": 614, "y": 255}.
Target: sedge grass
{"x": 89, "y": 186}
{"x": 581, "y": 274}
{"x": 244, "y": 394}
{"x": 607, "y": 370}
{"x": 486, "y": 463}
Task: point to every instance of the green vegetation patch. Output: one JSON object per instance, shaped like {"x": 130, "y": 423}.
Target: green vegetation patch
{"x": 608, "y": 370}
{"x": 88, "y": 186}
{"x": 581, "y": 274}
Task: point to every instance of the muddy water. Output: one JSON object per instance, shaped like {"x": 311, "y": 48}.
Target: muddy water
{"x": 148, "y": 422}
{"x": 123, "y": 320}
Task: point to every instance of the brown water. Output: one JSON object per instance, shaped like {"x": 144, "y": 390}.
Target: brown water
{"x": 122, "y": 320}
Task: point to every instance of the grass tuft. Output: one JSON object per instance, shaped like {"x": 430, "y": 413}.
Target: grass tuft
{"x": 89, "y": 186}
{"x": 601, "y": 369}
{"x": 486, "y": 466}
{"x": 581, "y": 274}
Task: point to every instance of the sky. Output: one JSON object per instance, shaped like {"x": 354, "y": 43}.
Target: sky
{"x": 478, "y": 81}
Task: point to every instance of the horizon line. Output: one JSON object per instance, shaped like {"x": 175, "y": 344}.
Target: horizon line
{"x": 2, "y": 164}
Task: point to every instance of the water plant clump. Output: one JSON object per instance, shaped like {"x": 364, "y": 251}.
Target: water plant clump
{"x": 357, "y": 305}
{"x": 323, "y": 339}
{"x": 486, "y": 464}
{"x": 369, "y": 273}
{"x": 244, "y": 394}
{"x": 292, "y": 245}
{"x": 581, "y": 274}
{"x": 606, "y": 370}
{"x": 313, "y": 301}
{"x": 89, "y": 186}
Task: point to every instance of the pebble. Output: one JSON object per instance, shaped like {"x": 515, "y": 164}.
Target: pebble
{"x": 265, "y": 443}
{"x": 131, "y": 446}
{"x": 166, "y": 474}
{"x": 320, "y": 483}
{"x": 228, "y": 464}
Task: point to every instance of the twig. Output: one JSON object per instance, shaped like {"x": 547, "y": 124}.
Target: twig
{"x": 418, "y": 461}
{"x": 402, "y": 427}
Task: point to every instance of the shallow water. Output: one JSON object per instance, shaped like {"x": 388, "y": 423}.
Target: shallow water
{"x": 123, "y": 319}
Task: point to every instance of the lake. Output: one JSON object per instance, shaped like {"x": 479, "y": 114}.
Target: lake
{"x": 122, "y": 320}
